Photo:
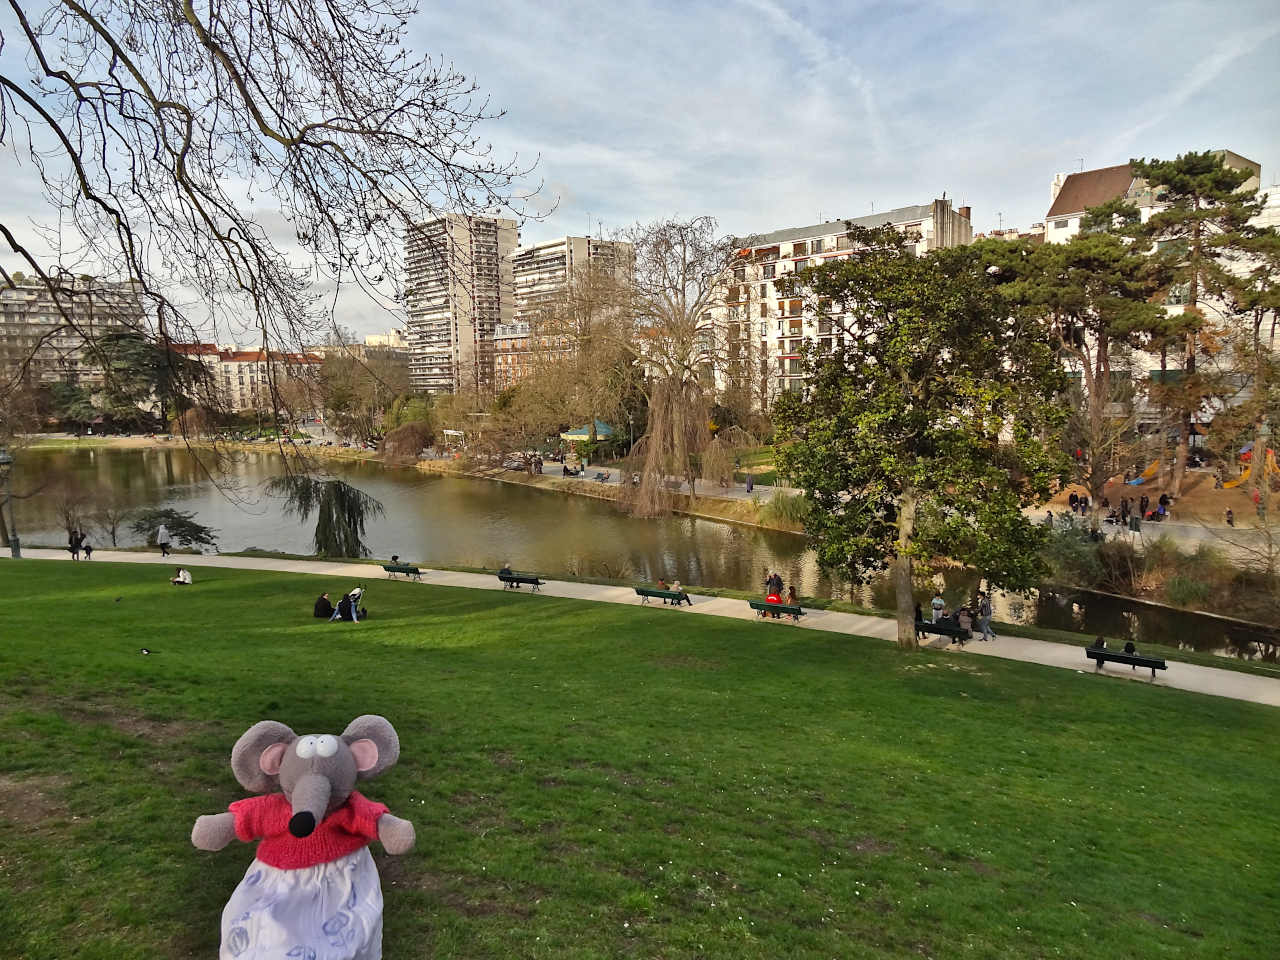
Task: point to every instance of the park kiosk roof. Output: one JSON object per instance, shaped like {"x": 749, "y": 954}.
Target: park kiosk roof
{"x": 602, "y": 431}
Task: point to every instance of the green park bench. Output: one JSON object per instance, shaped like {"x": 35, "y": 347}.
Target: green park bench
{"x": 944, "y": 630}
{"x": 513, "y": 581}
{"x": 675, "y": 597}
{"x": 1102, "y": 655}
{"x": 763, "y": 609}
{"x": 394, "y": 568}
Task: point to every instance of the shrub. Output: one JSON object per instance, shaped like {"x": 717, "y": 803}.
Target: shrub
{"x": 1186, "y": 591}
{"x": 407, "y": 441}
{"x": 785, "y": 509}
{"x": 1073, "y": 557}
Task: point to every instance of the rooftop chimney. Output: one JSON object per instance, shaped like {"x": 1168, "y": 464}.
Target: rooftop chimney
{"x": 964, "y": 212}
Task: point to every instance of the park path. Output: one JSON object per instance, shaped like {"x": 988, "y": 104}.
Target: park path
{"x": 1182, "y": 676}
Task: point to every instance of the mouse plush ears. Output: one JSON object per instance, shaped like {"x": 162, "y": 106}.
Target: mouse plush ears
{"x": 255, "y": 759}
{"x": 374, "y": 744}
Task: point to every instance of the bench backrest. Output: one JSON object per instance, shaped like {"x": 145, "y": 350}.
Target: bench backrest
{"x": 1119, "y": 656}
{"x": 392, "y": 568}
{"x": 780, "y": 607}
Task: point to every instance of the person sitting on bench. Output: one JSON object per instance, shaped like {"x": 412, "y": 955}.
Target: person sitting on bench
{"x": 774, "y": 598}
{"x": 183, "y": 579}
{"x": 676, "y": 588}
{"x": 506, "y": 570}
{"x": 323, "y": 608}
{"x": 1100, "y": 643}
{"x": 1130, "y": 649}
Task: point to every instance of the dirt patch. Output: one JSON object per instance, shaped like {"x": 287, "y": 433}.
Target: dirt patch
{"x": 872, "y": 845}
{"x": 469, "y": 896}
{"x": 981, "y": 867}
{"x": 503, "y": 758}
{"x": 32, "y": 801}
{"x": 122, "y": 719}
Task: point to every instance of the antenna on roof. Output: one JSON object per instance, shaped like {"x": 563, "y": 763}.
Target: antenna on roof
{"x": 873, "y": 206}
{"x": 1081, "y": 159}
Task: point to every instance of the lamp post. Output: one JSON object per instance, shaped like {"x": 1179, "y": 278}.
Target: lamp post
{"x": 631, "y": 431}
{"x": 6, "y": 473}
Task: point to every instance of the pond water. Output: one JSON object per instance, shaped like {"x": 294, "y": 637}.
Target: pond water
{"x": 456, "y": 521}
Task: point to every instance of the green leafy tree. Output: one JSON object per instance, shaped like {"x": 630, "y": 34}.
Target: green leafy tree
{"x": 1203, "y": 206}
{"x": 71, "y": 404}
{"x": 1094, "y": 294}
{"x": 182, "y": 526}
{"x": 341, "y": 511}
{"x": 932, "y": 426}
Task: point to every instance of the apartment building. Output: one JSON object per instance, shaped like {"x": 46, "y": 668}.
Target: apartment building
{"x": 32, "y": 326}
{"x": 459, "y": 289}
{"x": 541, "y": 274}
{"x": 764, "y": 332}
{"x": 243, "y": 377}
{"x": 1070, "y": 195}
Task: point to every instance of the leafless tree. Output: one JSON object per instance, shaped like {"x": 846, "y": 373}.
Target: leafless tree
{"x": 168, "y": 137}
{"x": 673, "y": 309}
{"x": 110, "y": 513}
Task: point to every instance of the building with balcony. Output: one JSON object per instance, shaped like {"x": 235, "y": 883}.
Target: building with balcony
{"x": 763, "y": 332}
{"x": 459, "y": 289}
{"x": 55, "y": 337}
{"x": 543, "y": 274}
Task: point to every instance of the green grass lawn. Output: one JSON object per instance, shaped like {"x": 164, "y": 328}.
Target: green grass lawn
{"x": 592, "y": 780}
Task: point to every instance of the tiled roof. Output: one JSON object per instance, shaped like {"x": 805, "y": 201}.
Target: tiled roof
{"x": 1091, "y": 189}
{"x": 195, "y": 349}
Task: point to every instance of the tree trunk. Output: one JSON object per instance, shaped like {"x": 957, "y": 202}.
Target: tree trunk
{"x": 4, "y": 527}
{"x": 902, "y": 572}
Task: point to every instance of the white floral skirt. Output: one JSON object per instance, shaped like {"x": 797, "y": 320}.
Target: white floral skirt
{"x": 328, "y": 912}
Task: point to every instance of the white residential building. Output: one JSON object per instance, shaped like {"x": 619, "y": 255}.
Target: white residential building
{"x": 541, "y": 273}
{"x": 1070, "y": 195}
{"x": 459, "y": 289}
{"x": 57, "y": 346}
{"x": 764, "y": 332}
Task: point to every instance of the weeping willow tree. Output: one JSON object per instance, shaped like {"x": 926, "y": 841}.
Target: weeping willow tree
{"x": 676, "y": 292}
{"x": 719, "y": 458}
{"x": 341, "y": 511}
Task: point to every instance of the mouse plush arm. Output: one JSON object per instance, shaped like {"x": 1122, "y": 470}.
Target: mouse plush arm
{"x": 396, "y": 835}
{"x": 214, "y": 832}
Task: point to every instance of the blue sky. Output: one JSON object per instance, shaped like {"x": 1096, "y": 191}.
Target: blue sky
{"x": 768, "y": 114}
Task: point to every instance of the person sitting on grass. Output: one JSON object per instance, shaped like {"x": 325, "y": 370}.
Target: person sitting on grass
{"x": 182, "y": 579}
{"x": 323, "y": 608}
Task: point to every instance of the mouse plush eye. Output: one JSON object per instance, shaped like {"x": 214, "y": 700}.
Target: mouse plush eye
{"x": 326, "y": 745}
{"x": 307, "y": 748}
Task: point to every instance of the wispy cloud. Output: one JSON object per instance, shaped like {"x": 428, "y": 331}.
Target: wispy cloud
{"x": 1204, "y": 72}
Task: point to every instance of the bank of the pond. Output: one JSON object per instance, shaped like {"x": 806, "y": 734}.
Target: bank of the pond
{"x": 705, "y": 506}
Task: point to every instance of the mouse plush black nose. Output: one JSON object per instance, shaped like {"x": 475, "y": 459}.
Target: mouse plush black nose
{"x": 302, "y": 824}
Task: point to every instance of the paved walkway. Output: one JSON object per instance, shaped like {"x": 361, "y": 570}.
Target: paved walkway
{"x": 1182, "y": 676}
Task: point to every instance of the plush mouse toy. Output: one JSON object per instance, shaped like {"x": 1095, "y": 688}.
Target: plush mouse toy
{"x": 312, "y": 892}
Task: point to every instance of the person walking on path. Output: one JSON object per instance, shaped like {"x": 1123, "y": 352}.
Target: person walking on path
{"x": 984, "y": 617}
{"x": 162, "y": 539}
{"x": 1231, "y": 517}
{"x": 87, "y": 547}
{"x": 73, "y": 544}
{"x": 938, "y": 605}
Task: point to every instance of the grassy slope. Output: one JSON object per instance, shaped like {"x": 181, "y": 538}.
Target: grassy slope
{"x": 589, "y": 781}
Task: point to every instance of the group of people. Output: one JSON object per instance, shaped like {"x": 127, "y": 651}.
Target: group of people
{"x": 963, "y": 617}
{"x": 675, "y": 587}
{"x": 77, "y": 541}
{"x": 348, "y": 607}
{"x": 773, "y": 593}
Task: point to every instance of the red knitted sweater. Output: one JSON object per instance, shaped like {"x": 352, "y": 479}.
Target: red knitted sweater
{"x": 344, "y": 831}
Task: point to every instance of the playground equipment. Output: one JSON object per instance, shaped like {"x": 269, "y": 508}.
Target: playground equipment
{"x": 1272, "y": 468}
{"x": 1146, "y": 474}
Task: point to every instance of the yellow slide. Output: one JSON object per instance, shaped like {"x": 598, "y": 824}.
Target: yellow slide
{"x": 1146, "y": 474}
{"x": 1243, "y": 478}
